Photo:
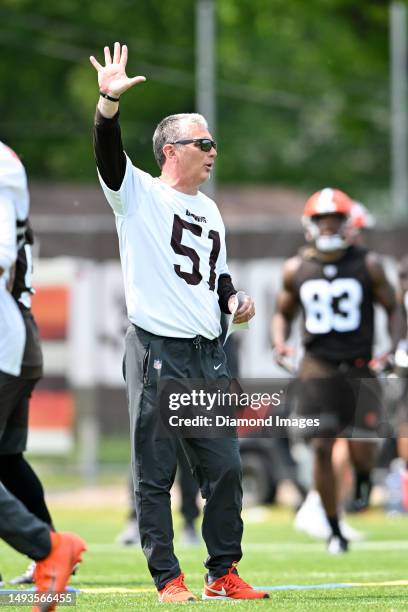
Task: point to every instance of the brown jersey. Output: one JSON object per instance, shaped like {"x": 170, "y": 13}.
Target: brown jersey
{"x": 337, "y": 304}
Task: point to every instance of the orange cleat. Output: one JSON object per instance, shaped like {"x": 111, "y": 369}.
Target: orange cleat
{"x": 51, "y": 574}
{"x": 175, "y": 591}
{"x": 231, "y": 586}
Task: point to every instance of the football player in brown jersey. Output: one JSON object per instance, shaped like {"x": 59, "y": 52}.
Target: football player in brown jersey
{"x": 335, "y": 284}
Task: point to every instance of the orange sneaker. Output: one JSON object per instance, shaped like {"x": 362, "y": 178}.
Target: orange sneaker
{"x": 231, "y": 586}
{"x": 175, "y": 591}
{"x": 51, "y": 574}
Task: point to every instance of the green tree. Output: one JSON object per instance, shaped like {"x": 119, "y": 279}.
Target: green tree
{"x": 302, "y": 87}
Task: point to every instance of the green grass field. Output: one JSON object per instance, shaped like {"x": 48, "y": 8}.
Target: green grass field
{"x": 274, "y": 554}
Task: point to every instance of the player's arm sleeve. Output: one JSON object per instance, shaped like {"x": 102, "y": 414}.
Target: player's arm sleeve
{"x": 109, "y": 154}
{"x": 225, "y": 290}
{"x": 8, "y": 242}
{"x": 225, "y": 286}
{"x": 122, "y": 183}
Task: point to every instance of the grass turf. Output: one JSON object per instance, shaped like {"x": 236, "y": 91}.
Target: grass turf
{"x": 274, "y": 554}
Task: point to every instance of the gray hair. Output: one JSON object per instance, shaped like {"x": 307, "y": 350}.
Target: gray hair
{"x": 172, "y": 128}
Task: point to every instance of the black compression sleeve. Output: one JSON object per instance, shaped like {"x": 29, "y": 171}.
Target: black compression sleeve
{"x": 225, "y": 290}
{"x": 108, "y": 149}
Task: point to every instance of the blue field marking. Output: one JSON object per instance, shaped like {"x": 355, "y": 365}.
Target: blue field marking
{"x": 3, "y": 591}
{"x": 304, "y": 587}
{"x": 334, "y": 585}
{"x": 283, "y": 587}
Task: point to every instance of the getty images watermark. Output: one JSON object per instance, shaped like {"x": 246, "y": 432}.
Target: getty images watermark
{"x": 197, "y": 408}
{"x": 276, "y": 408}
{"x": 213, "y": 401}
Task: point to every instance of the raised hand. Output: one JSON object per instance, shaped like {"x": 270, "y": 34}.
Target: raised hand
{"x": 112, "y": 77}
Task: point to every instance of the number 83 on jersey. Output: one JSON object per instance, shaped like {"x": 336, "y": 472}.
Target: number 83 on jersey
{"x": 331, "y": 305}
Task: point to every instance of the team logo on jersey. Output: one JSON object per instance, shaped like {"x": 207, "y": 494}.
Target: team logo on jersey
{"x": 330, "y": 271}
{"x": 157, "y": 364}
{"x": 195, "y": 217}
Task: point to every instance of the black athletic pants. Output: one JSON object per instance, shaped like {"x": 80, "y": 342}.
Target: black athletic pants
{"x": 18, "y": 527}
{"x": 215, "y": 461}
{"x": 188, "y": 488}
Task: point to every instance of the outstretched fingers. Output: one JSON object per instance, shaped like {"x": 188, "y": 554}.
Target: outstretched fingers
{"x": 108, "y": 59}
{"x": 95, "y": 63}
{"x": 116, "y": 69}
{"x": 116, "y": 53}
{"x": 137, "y": 79}
{"x": 124, "y": 55}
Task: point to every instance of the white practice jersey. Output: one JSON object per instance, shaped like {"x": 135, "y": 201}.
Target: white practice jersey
{"x": 172, "y": 249}
{"x": 14, "y": 206}
{"x": 13, "y": 180}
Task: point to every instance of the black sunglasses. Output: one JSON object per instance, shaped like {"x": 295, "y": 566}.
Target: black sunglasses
{"x": 205, "y": 144}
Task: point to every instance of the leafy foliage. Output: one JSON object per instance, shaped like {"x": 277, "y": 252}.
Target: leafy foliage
{"x": 302, "y": 86}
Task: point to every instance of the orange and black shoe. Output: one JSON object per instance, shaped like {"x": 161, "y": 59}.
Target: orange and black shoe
{"x": 230, "y": 586}
{"x": 175, "y": 591}
{"x": 51, "y": 574}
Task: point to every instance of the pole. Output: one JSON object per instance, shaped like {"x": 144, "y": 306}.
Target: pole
{"x": 399, "y": 157}
{"x": 205, "y": 72}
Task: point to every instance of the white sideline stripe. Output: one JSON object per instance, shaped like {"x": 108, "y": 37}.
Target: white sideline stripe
{"x": 320, "y": 547}
{"x": 289, "y": 547}
{"x": 286, "y": 587}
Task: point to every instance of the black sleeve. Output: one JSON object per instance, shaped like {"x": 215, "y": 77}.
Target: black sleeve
{"x": 108, "y": 150}
{"x": 225, "y": 290}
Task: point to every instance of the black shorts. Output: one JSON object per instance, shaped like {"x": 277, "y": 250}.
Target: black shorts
{"x": 346, "y": 399}
{"x": 15, "y": 394}
{"x": 32, "y": 364}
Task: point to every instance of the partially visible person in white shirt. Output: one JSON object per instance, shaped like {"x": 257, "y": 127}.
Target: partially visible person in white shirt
{"x": 14, "y": 205}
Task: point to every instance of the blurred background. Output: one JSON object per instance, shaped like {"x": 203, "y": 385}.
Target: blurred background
{"x": 298, "y": 95}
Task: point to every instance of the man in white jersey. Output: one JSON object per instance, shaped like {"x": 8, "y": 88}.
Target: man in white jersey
{"x": 16, "y": 473}
{"x": 172, "y": 248}
{"x": 13, "y": 209}
{"x": 55, "y": 554}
